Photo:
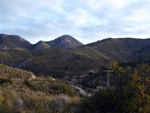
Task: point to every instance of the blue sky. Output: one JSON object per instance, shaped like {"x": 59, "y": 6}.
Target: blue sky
{"x": 86, "y": 20}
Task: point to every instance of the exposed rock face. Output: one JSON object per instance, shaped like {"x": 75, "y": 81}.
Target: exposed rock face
{"x": 32, "y": 77}
{"x": 65, "y": 42}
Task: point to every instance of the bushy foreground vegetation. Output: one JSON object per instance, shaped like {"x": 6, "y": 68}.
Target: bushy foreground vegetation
{"x": 29, "y": 101}
{"x": 26, "y": 96}
{"x": 20, "y": 93}
{"x": 130, "y": 92}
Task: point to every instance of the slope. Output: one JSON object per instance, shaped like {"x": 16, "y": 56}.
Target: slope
{"x": 78, "y": 61}
{"x": 65, "y": 42}
{"x": 14, "y": 73}
{"x": 58, "y": 62}
{"x": 13, "y": 42}
{"x": 40, "y": 45}
{"x": 121, "y": 50}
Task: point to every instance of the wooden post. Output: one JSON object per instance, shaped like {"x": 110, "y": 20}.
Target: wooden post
{"x": 108, "y": 77}
{"x": 108, "y": 80}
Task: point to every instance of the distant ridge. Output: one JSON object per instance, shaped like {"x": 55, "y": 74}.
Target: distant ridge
{"x": 65, "y": 42}
{"x": 118, "y": 49}
{"x": 8, "y": 42}
{"x": 50, "y": 58}
{"x": 40, "y": 45}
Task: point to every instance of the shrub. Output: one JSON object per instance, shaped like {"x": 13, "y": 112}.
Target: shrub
{"x": 30, "y": 85}
{"x": 130, "y": 93}
{"x": 5, "y": 80}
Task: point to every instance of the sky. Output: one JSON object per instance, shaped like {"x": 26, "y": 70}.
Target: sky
{"x": 85, "y": 20}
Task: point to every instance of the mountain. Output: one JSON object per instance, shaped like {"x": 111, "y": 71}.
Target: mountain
{"x": 65, "y": 42}
{"x": 119, "y": 49}
{"x": 40, "y": 45}
{"x": 93, "y": 56}
{"x": 8, "y": 42}
{"x": 62, "y": 56}
{"x": 53, "y": 61}
{"x": 13, "y": 42}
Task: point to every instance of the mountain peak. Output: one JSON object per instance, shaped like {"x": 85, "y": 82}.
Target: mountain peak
{"x": 12, "y": 41}
{"x": 40, "y": 45}
{"x": 14, "y": 37}
{"x": 3, "y": 35}
{"x": 65, "y": 42}
{"x": 65, "y": 37}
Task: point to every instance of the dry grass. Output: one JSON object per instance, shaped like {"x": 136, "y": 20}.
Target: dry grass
{"x": 20, "y": 94}
{"x": 36, "y": 102}
{"x": 13, "y": 73}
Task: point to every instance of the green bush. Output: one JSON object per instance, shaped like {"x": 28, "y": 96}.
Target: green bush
{"x": 5, "y": 80}
{"x": 30, "y": 85}
{"x": 105, "y": 101}
{"x": 130, "y": 93}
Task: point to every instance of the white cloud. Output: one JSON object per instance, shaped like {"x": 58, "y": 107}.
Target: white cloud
{"x": 87, "y": 21}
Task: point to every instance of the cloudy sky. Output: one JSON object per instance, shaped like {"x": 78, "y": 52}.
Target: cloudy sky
{"x": 86, "y": 20}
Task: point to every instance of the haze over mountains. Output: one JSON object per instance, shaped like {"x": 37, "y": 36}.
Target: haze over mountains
{"x": 67, "y": 56}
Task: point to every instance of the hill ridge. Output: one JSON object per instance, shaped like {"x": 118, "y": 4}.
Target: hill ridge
{"x": 8, "y": 42}
{"x": 65, "y": 42}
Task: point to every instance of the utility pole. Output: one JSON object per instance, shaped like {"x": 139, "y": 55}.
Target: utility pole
{"x": 108, "y": 77}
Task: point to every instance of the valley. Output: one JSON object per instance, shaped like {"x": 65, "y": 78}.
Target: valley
{"x": 66, "y": 76}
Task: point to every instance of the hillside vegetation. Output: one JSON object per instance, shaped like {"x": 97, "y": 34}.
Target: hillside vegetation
{"x": 67, "y": 56}
{"x": 14, "y": 73}
{"x": 81, "y": 60}
{"x": 13, "y": 57}
{"x": 21, "y": 92}
{"x": 121, "y": 50}
{"x": 58, "y": 62}
{"x": 129, "y": 92}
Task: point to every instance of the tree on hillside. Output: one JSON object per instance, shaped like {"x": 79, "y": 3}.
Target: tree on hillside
{"x": 134, "y": 86}
{"x": 131, "y": 93}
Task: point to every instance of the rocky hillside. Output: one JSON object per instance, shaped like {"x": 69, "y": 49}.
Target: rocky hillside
{"x": 40, "y": 45}
{"x": 121, "y": 50}
{"x": 8, "y": 42}
{"x": 65, "y": 42}
{"x": 46, "y": 58}
{"x": 93, "y": 56}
